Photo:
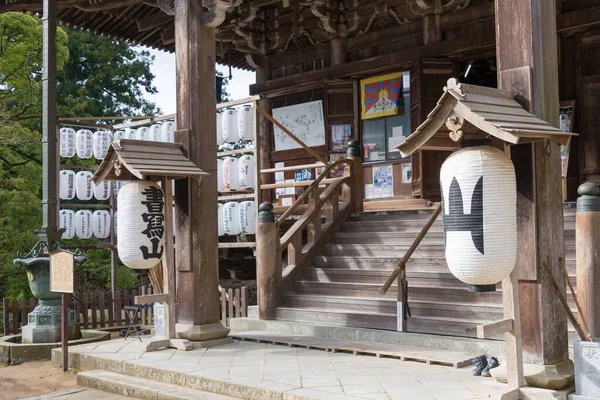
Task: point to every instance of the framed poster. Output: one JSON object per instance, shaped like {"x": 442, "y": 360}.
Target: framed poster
{"x": 304, "y": 120}
{"x": 383, "y": 181}
{"x": 380, "y": 95}
{"x": 340, "y": 136}
{"x": 565, "y": 116}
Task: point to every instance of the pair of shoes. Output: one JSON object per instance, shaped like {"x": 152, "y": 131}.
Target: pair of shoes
{"x": 480, "y": 364}
{"x": 492, "y": 363}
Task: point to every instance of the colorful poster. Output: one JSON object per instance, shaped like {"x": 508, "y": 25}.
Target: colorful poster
{"x": 340, "y": 136}
{"x": 338, "y": 171}
{"x": 381, "y": 95}
{"x": 303, "y": 175}
{"x": 383, "y": 181}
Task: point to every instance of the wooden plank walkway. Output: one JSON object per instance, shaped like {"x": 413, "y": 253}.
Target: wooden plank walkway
{"x": 429, "y": 356}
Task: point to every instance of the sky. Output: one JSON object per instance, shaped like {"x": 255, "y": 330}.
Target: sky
{"x": 164, "y": 71}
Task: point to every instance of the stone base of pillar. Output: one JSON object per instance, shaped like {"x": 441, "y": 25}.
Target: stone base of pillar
{"x": 202, "y": 333}
{"x": 51, "y": 334}
{"x": 553, "y": 377}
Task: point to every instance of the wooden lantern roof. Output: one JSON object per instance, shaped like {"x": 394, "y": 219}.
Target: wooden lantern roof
{"x": 470, "y": 111}
{"x": 128, "y": 159}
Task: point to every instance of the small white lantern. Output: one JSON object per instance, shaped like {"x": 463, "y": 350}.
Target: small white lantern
{"x": 479, "y": 209}
{"x": 117, "y": 187}
{"x": 67, "y": 222}
{"x": 141, "y": 222}
{"x": 168, "y": 132}
{"x": 231, "y": 218}
{"x": 220, "y": 129}
{"x": 142, "y": 133}
{"x": 83, "y": 224}
{"x": 247, "y": 218}
{"x": 67, "y": 142}
{"x": 101, "y": 224}
{"x": 246, "y": 123}
{"x": 231, "y": 173}
{"x": 220, "y": 184}
{"x": 116, "y": 217}
{"x": 246, "y": 167}
{"x": 84, "y": 143}
{"x": 84, "y": 188}
{"x": 129, "y": 134}
{"x": 230, "y": 126}
{"x": 155, "y": 133}
{"x": 221, "y": 229}
{"x": 102, "y": 191}
{"x": 101, "y": 143}
{"x": 67, "y": 185}
{"x": 120, "y": 134}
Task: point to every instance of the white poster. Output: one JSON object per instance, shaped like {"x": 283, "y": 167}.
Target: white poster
{"x": 383, "y": 181}
{"x": 406, "y": 173}
{"x": 305, "y": 121}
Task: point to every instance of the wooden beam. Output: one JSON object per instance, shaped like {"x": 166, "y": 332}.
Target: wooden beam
{"x": 492, "y": 329}
{"x": 151, "y": 298}
{"x": 153, "y": 21}
{"x": 576, "y": 20}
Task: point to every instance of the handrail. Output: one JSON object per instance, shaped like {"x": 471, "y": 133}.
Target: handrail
{"x": 401, "y": 267}
{"x": 292, "y": 168}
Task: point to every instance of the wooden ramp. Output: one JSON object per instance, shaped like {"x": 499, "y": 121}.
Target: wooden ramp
{"x": 408, "y": 353}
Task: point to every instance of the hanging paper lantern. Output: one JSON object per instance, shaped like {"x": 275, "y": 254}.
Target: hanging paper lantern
{"x": 67, "y": 185}
{"x": 230, "y": 126}
{"x": 117, "y": 187}
{"x": 247, "y": 218}
{"x": 66, "y": 220}
{"x": 479, "y": 199}
{"x": 142, "y": 133}
{"x": 220, "y": 140}
{"x": 84, "y": 188}
{"x": 83, "y": 224}
{"x": 101, "y": 224}
{"x": 220, "y": 184}
{"x": 246, "y": 167}
{"x": 116, "y": 217}
{"x": 67, "y": 142}
{"x": 102, "y": 191}
{"x": 84, "y": 143}
{"x": 129, "y": 134}
{"x": 155, "y": 133}
{"x": 231, "y": 218}
{"x": 101, "y": 143}
{"x": 120, "y": 134}
{"x": 168, "y": 132}
{"x": 230, "y": 173}
{"x": 141, "y": 222}
{"x": 221, "y": 228}
{"x": 246, "y": 123}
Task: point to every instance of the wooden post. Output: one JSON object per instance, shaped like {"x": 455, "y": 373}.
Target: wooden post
{"x": 358, "y": 188}
{"x": 196, "y": 203}
{"x": 268, "y": 262}
{"x": 264, "y": 134}
{"x": 588, "y": 255}
{"x": 338, "y": 51}
{"x": 64, "y": 331}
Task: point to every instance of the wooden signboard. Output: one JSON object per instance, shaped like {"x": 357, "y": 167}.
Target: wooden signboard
{"x": 61, "y": 272}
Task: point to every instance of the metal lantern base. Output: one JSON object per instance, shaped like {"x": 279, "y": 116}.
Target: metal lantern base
{"x": 482, "y": 288}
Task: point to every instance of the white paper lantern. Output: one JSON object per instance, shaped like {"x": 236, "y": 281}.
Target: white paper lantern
{"x": 246, "y": 123}
{"x": 220, "y": 140}
{"x": 168, "y": 132}
{"x": 221, "y": 228}
{"x": 220, "y": 184}
{"x": 141, "y": 241}
{"x": 129, "y": 134}
{"x": 231, "y": 173}
{"x": 142, "y": 133}
{"x": 479, "y": 199}
{"x": 117, "y": 187}
{"x": 101, "y": 224}
{"x": 155, "y": 133}
{"x": 83, "y": 224}
{"x": 66, "y": 220}
{"x": 101, "y": 143}
{"x": 116, "y": 218}
{"x": 67, "y": 142}
{"x": 230, "y": 126}
{"x": 67, "y": 185}
{"x": 102, "y": 191}
{"x": 246, "y": 167}
{"x": 120, "y": 134}
{"x": 231, "y": 218}
{"x": 247, "y": 218}
{"x": 84, "y": 141}
{"x": 84, "y": 188}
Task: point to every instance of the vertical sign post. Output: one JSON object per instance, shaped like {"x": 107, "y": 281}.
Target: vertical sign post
{"x": 62, "y": 281}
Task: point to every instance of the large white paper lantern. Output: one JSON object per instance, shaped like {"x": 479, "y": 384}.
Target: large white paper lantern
{"x": 101, "y": 224}
{"x": 231, "y": 173}
{"x": 84, "y": 143}
{"x": 83, "y": 224}
{"x": 67, "y": 142}
{"x": 102, "y": 191}
{"x": 155, "y": 133}
{"x": 66, "y": 221}
{"x": 101, "y": 143}
{"x": 129, "y": 134}
{"x": 168, "y": 132}
{"x": 246, "y": 167}
{"x": 142, "y": 133}
{"x": 479, "y": 209}
{"x": 67, "y": 185}
{"x": 230, "y": 126}
{"x": 220, "y": 184}
{"x": 220, "y": 140}
{"x": 231, "y": 218}
{"x": 246, "y": 123}
{"x": 247, "y": 218}
{"x": 84, "y": 188}
{"x": 118, "y": 135}
{"x": 221, "y": 228}
{"x": 141, "y": 221}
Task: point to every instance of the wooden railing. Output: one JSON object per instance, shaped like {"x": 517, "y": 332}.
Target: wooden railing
{"x": 325, "y": 210}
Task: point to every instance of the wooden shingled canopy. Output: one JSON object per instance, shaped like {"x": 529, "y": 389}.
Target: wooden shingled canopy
{"x": 470, "y": 111}
{"x": 128, "y": 159}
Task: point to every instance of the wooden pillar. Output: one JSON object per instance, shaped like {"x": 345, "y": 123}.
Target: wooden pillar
{"x": 432, "y": 31}
{"x": 268, "y": 262}
{"x": 358, "y": 188}
{"x": 588, "y": 255}
{"x": 196, "y": 204}
{"x": 264, "y": 132}
{"x": 338, "y": 51}
{"x": 527, "y": 65}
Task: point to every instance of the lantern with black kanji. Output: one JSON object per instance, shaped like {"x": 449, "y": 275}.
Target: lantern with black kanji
{"x": 141, "y": 221}
{"x": 479, "y": 212}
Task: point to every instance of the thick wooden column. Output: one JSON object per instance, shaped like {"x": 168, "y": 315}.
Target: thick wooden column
{"x": 264, "y": 130}
{"x": 527, "y": 65}
{"x": 196, "y": 204}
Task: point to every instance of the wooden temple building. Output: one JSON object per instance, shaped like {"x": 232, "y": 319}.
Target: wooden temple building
{"x": 326, "y": 265}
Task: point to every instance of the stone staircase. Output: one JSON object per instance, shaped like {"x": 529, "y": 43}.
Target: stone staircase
{"x": 341, "y": 289}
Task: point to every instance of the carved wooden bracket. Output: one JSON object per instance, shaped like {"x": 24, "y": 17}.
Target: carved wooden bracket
{"x": 455, "y": 124}
{"x": 259, "y": 31}
{"x": 383, "y": 17}
{"x": 428, "y": 7}
{"x": 299, "y": 37}
{"x": 216, "y": 11}
{"x": 336, "y": 18}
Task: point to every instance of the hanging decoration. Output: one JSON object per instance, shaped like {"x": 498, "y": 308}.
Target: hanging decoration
{"x": 220, "y": 180}
{"x": 246, "y": 123}
{"x": 246, "y": 171}
{"x": 84, "y": 143}
{"x": 67, "y": 142}
{"x": 102, "y": 191}
{"x": 66, "y": 220}
{"x": 141, "y": 220}
{"x": 155, "y": 133}
{"x": 230, "y": 173}
{"x": 120, "y": 134}
{"x": 381, "y": 95}
{"x": 231, "y": 218}
{"x": 83, "y": 224}
{"x": 142, "y": 133}
{"x": 220, "y": 129}
{"x": 101, "y": 143}
{"x": 67, "y": 185}
{"x": 101, "y": 224}
{"x": 129, "y": 134}
{"x": 247, "y": 218}
{"x": 230, "y": 126}
{"x": 115, "y": 219}
{"x": 479, "y": 213}
{"x": 84, "y": 188}
{"x": 221, "y": 228}
{"x": 168, "y": 132}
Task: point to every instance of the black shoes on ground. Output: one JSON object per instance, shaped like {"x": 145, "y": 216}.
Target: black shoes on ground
{"x": 492, "y": 363}
{"x": 483, "y": 365}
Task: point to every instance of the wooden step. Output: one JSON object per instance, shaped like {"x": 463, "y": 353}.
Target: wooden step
{"x": 394, "y": 238}
{"x": 393, "y": 216}
{"x": 382, "y": 250}
{"x": 379, "y": 277}
{"x": 378, "y": 263}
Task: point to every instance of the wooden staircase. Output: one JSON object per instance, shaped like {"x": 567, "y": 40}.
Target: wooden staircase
{"x": 341, "y": 288}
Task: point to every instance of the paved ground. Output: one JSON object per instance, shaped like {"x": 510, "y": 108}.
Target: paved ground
{"x": 77, "y": 394}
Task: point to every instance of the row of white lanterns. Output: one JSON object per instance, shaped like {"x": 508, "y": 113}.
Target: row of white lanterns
{"x": 78, "y": 184}
{"x": 164, "y": 132}
{"x": 237, "y": 218}
{"x": 84, "y": 224}
{"x": 234, "y": 125}
{"x": 236, "y": 173}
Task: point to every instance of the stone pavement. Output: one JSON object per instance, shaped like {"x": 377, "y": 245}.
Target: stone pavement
{"x": 264, "y": 371}
{"x": 77, "y": 394}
